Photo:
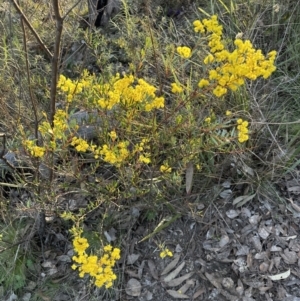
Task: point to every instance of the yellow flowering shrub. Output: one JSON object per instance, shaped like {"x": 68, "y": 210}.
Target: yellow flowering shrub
{"x": 153, "y": 131}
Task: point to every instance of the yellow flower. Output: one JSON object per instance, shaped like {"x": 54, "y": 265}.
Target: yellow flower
{"x": 184, "y": 52}
{"x": 80, "y": 244}
{"x": 116, "y": 253}
{"x": 144, "y": 159}
{"x": 208, "y": 120}
{"x": 208, "y": 59}
{"x": 37, "y": 151}
{"x": 74, "y": 266}
{"x": 113, "y": 135}
{"x": 165, "y": 252}
{"x": 198, "y": 26}
{"x": 165, "y": 168}
{"x": 107, "y": 248}
{"x": 219, "y": 91}
{"x": 203, "y": 83}
{"x": 228, "y": 113}
{"x": 80, "y": 144}
{"x": 176, "y": 88}
{"x": 245, "y": 123}
{"x": 243, "y": 138}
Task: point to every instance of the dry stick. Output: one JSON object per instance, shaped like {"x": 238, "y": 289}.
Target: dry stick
{"x": 34, "y": 105}
{"x": 44, "y": 47}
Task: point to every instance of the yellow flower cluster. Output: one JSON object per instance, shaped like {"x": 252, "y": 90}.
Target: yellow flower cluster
{"x": 80, "y": 144}
{"x": 165, "y": 252}
{"x": 144, "y": 158}
{"x": 184, "y": 52}
{"x": 141, "y": 149}
{"x": 231, "y": 68}
{"x": 129, "y": 92}
{"x": 35, "y": 151}
{"x": 98, "y": 268}
{"x": 242, "y": 126}
{"x": 50, "y": 135}
{"x": 114, "y": 154}
{"x": 60, "y": 125}
{"x": 71, "y": 88}
{"x": 120, "y": 153}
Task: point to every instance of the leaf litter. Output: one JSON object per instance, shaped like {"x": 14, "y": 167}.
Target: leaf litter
{"x": 238, "y": 255}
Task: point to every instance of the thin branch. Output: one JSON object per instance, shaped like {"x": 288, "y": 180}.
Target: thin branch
{"x": 71, "y": 9}
{"x": 33, "y": 101}
{"x": 55, "y": 59}
{"x": 44, "y": 47}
